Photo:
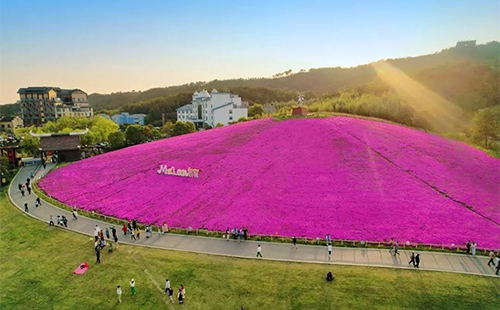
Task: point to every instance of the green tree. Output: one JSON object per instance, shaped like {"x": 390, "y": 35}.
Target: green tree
{"x": 181, "y": 128}
{"x": 135, "y": 134}
{"x": 168, "y": 129}
{"x": 255, "y": 109}
{"x": 116, "y": 140}
{"x": 485, "y": 125}
{"x": 242, "y": 119}
{"x": 219, "y": 125}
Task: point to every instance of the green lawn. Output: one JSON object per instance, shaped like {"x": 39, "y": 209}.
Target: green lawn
{"x": 36, "y": 264}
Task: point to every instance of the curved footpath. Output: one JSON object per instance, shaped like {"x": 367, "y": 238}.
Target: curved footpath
{"x": 432, "y": 261}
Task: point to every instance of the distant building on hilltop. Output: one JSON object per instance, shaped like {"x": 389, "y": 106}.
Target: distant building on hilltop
{"x": 212, "y": 108}
{"x": 125, "y": 118}
{"x": 42, "y": 104}
{"x": 9, "y": 123}
{"x": 465, "y": 44}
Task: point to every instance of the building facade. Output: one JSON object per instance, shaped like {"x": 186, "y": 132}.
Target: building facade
{"x": 40, "y": 105}
{"x": 212, "y": 108}
{"x": 9, "y": 123}
{"x": 125, "y": 118}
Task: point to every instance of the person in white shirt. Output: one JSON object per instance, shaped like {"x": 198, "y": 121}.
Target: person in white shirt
{"x": 259, "y": 251}
{"x": 329, "y": 250}
{"x": 167, "y": 286}
{"x": 119, "y": 293}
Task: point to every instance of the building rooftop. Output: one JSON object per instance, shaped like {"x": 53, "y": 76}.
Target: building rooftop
{"x": 6, "y": 118}
{"x": 187, "y": 107}
{"x": 63, "y": 142}
{"x": 37, "y": 90}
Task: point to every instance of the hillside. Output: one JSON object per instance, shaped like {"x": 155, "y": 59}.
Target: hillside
{"x": 466, "y": 70}
{"x": 352, "y": 178}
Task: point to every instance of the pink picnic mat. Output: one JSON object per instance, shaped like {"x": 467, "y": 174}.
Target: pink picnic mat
{"x": 81, "y": 269}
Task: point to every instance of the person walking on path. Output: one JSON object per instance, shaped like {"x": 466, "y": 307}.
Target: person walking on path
{"x": 113, "y": 232}
{"x": 29, "y": 190}
{"x": 492, "y": 258}
{"x": 245, "y": 233}
{"x": 134, "y": 224}
{"x": 171, "y": 295}
{"x": 75, "y": 215}
{"x": 138, "y": 233}
{"x": 22, "y": 192}
{"x": 474, "y": 246}
{"x": 132, "y": 287}
{"x": 294, "y": 240}
{"x": 64, "y": 221}
{"x": 259, "y": 251}
{"x": 417, "y": 261}
{"x": 328, "y": 239}
{"x": 167, "y": 286}
{"x": 97, "y": 255}
{"x": 329, "y": 250}
{"x": 132, "y": 235}
{"x": 119, "y": 293}
{"x": 51, "y": 220}
{"x": 498, "y": 265}
{"x": 396, "y": 248}
{"x": 392, "y": 245}
{"x": 227, "y": 234}
{"x": 129, "y": 226}
{"x": 412, "y": 259}
{"x": 20, "y": 186}
{"x": 38, "y": 202}
{"x": 124, "y": 229}
{"x": 26, "y": 207}
{"x": 468, "y": 247}
{"x": 107, "y": 233}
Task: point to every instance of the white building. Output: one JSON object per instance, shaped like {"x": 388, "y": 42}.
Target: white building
{"x": 212, "y": 108}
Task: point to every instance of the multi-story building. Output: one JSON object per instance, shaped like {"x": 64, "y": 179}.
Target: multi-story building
{"x": 42, "y": 104}
{"x": 9, "y": 123}
{"x": 125, "y": 118}
{"x": 212, "y": 108}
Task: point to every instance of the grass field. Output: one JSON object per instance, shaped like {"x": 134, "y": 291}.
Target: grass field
{"x": 37, "y": 263}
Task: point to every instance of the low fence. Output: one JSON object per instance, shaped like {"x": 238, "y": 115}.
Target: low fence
{"x": 269, "y": 238}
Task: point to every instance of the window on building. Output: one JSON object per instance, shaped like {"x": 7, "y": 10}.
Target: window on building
{"x": 230, "y": 118}
{"x": 230, "y": 111}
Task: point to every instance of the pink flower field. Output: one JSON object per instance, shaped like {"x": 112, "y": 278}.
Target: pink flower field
{"x": 354, "y": 179}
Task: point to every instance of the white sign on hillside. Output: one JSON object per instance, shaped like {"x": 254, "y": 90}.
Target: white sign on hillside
{"x": 189, "y": 172}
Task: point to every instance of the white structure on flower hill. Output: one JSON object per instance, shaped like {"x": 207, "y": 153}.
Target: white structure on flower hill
{"x": 213, "y": 108}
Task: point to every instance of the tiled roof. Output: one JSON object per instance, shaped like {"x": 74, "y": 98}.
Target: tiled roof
{"x": 59, "y": 143}
{"x": 185, "y": 107}
{"x": 221, "y": 106}
{"x": 37, "y": 90}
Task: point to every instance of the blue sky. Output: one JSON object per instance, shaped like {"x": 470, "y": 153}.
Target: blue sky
{"x": 108, "y": 46}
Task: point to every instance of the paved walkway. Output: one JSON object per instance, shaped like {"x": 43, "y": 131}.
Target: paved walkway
{"x": 274, "y": 251}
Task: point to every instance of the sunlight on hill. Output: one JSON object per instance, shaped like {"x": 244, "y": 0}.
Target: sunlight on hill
{"x": 439, "y": 112}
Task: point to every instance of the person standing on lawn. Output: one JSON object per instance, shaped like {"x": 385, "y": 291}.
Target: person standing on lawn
{"x": 259, "y": 251}
{"x": 180, "y": 298}
{"x": 171, "y": 295}
{"x": 492, "y": 258}
{"x": 97, "y": 255}
{"x": 294, "y": 240}
{"x": 167, "y": 286}
{"x": 417, "y": 261}
{"x": 132, "y": 287}
{"x": 119, "y": 293}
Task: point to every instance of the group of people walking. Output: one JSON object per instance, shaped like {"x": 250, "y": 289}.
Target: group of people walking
{"x": 132, "y": 229}
{"x": 181, "y": 294}
{"x": 236, "y": 234}
{"x": 26, "y": 187}
{"x": 100, "y": 241}
{"x": 494, "y": 259}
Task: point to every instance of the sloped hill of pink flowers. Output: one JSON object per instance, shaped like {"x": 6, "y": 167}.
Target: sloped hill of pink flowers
{"x": 354, "y": 179}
